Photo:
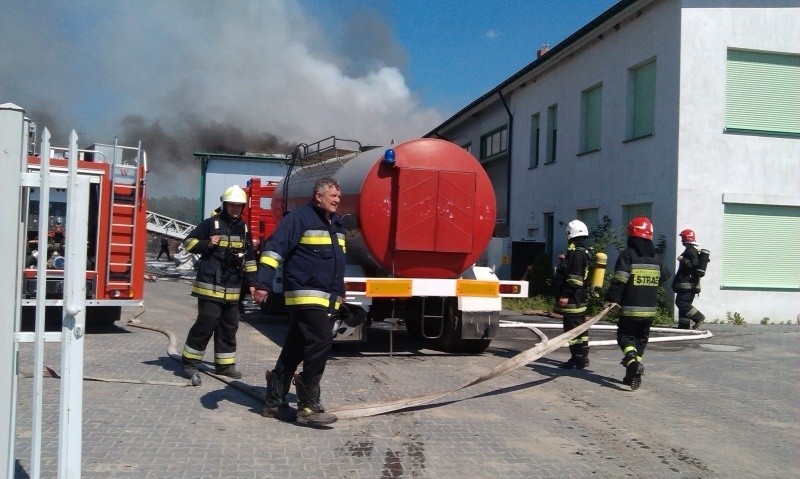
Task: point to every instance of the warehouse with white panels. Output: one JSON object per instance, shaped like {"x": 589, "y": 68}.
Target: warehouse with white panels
{"x": 684, "y": 111}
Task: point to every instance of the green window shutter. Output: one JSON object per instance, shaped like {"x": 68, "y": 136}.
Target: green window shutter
{"x": 762, "y": 93}
{"x": 535, "y": 133}
{"x": 589, "y": 217}
{"x": 644, "y": 100}
{"x": 760, "y": 247}
{"x": 640, "y": 209}
{"x": 591, "y": 127}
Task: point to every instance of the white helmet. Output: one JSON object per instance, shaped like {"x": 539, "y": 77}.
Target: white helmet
{"x": 576, "y": 228}
{"x": 234, "y": 194}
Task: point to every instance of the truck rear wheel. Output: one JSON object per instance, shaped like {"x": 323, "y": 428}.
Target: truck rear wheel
{"x": 450, "y": 340}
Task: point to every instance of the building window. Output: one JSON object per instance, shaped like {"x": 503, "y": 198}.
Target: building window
{"x": 753, "y": 237}
{"x": 549, "y": 233}
{"x": 642, "y": 100}
{"x": 494, "y": 143}
{"x": 591, "y": 105}
{"x": 762, "y": 93}
{"x": 552, "y": 133}
{"x": 534, "y": 158}
{"x": 639, "y": 209}
{"x": 589, "y": 216}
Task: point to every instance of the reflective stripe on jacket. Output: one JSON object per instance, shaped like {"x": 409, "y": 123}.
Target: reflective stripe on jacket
{"x": 312, "y": 253}
{"x": 634, "y": 285}
{"x": 224, "y": 268}
{"x": 686, "y": 277}
{"x": 571, "y": 281}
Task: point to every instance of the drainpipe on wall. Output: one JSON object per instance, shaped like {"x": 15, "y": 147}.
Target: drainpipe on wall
{"x": 508, "y": 173}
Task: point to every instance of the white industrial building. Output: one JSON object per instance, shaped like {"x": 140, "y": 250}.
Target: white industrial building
{"x": 687, "y": 111}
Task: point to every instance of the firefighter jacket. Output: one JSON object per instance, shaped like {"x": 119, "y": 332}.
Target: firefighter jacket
{"x": 224, "y": 268}
{"x": 634, "y": 285}
{"x": 686, "y": 278}
{"x": 311, "y": 251}
{"x": 571, "y": 280}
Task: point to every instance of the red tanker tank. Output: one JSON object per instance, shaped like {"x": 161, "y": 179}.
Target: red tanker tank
{"x": 429, "y": 215}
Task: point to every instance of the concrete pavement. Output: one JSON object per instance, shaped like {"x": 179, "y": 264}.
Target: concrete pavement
{"x": 724, "y": 407}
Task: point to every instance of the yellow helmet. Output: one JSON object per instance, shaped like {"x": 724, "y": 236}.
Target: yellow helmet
{"x": 234, "y": 194}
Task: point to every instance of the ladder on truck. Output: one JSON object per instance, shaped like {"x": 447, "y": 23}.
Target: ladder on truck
{"x": 164, "y": 225}
{"x": 126, "y": 196}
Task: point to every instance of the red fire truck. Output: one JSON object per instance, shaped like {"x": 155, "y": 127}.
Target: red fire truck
{"x": 116, "y": 231}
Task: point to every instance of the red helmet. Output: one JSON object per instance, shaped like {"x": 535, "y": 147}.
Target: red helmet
{"x": 640, "y": 227}
{"x": 687, "y": 236}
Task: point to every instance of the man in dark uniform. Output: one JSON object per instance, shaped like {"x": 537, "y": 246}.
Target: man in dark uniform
{"x": 687, "y": 282}
{"x": 571, "y": 294}
{"x": 638, "y": 274}
{"x": 310, "y": 245}
{"x": 164, "y": 249}
{"x": 227, "y": 261}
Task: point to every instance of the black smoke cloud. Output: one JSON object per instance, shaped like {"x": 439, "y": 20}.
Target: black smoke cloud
{"x": 204, "y": 76}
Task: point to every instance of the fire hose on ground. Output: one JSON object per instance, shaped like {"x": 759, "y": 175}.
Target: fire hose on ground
{"x": 383, "y": 407}
{"x": 545, "y": 346}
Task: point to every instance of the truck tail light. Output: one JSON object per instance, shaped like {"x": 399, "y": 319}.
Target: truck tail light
{"x": 510, "y": 289}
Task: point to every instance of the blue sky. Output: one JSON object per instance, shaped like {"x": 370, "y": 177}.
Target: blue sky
{"x": 262, "y": 75}
{"x": 458, "y": 50}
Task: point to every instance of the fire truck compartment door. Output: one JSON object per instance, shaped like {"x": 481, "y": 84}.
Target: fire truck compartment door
{"x": 435, "y": 210}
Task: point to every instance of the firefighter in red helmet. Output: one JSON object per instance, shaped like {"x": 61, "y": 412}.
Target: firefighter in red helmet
{"x": 687, "y": 282}
{"x": 638, "y": 274}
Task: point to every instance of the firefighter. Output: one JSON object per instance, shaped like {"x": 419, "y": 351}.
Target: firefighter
{"x": 571, "y": 291}
{"x": 226, "y": 262}
{"x": 164, "y": 249}
{"x": 686, "y": 283}
{"x": 633, "y": 291}
{"x": 310, "y": 245}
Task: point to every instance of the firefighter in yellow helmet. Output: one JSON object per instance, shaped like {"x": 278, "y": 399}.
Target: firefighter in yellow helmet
{"x": 227, "y": 262}
{"x": 638, "y": 274}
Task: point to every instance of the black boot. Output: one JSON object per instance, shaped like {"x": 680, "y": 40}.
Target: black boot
{"x": 569, "y": 363}
{"x": 633, "y": 375}
{"x": 583, "y": 359}
{"x": 309, "y": 409}
{"x": 575, "y": 352}
{"x": 698, "y": 319}
{"x": 683, "y": 323}
{"x": 191, "y": 372}
{"x": 275, "y": 404}
{"x": 229, "y": 370}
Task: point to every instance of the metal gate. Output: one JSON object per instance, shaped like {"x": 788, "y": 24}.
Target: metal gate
{"x": 14, "y": 128}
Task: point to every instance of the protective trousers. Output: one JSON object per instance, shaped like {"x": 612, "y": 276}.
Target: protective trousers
{"x": 632, "y": 336}
{"x": 578, "y": 347}
{"x": 686, "y": 312}
{"x": 220, "y": 320}
{"x": 308, "y": 341}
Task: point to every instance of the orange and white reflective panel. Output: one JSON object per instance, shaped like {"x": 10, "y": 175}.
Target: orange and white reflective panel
{"x": 472, "y": 287}
{"x": 389, "y": 288}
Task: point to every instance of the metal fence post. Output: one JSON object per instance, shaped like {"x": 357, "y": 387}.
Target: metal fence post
{"x": 13, "y": 138}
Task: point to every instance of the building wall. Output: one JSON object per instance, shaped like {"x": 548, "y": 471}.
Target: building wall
{"x": 620, "y": 172}
{"x": 222, "y": 173}
{"x": 685, "y": 168}
{"x": 715, "y": 165}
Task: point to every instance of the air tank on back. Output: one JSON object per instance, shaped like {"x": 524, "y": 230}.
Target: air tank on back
{"x": 429, "y": 214}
